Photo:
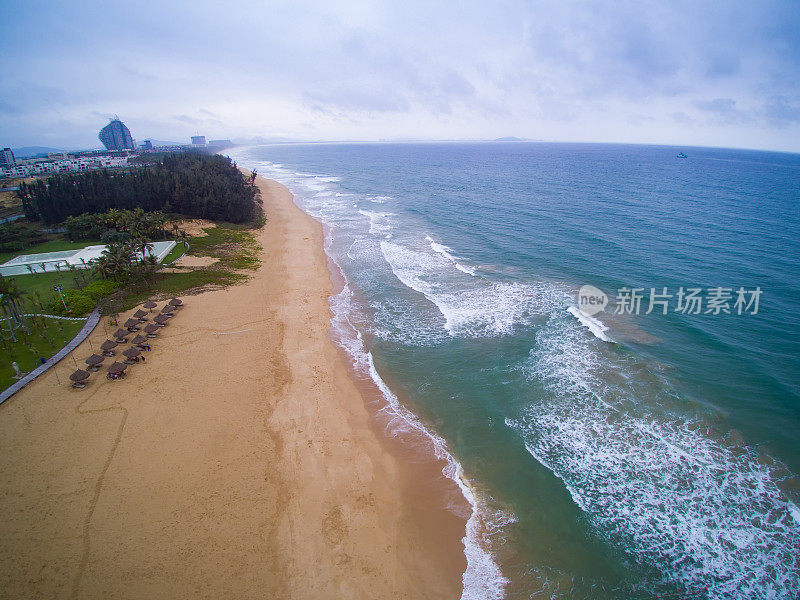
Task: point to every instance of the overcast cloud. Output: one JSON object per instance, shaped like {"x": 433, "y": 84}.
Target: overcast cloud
{"x": 692, "y": 73}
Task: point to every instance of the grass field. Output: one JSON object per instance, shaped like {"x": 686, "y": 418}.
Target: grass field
{"x": 47, "y": 337}
{"x": 43, "y": 283}
{"x": 175, "y": 253}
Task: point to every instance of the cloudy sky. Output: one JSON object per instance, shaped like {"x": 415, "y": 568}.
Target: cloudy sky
{"x": 718, "y": 73}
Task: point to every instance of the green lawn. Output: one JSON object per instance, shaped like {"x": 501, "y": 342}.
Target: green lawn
{"x": 49, "y": 246}
{"x": 178, "y": 250}
{"x": 46, "y": 339}
{"x": 43, "y": 283}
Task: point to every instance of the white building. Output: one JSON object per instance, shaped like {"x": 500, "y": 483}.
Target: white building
{"x": 68, "y": 165}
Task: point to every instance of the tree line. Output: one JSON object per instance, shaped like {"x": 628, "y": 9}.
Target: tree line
{"x": 192, "y": 184}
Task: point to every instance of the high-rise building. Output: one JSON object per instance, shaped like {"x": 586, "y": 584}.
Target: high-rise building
{"x": 115, "y": 136}
{"x": 198, "y": 140}
{"x": 7, "y": 158}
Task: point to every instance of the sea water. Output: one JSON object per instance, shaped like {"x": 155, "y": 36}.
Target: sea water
{"x": 637, "y": 452}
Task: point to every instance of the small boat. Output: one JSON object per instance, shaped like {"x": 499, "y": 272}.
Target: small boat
{"x": 681, "y": 155}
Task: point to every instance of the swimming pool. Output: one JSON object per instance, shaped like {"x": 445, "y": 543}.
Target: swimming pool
{"x": 80, "y": 258}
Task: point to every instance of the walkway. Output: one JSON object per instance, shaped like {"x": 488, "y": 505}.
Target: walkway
{"x": 87, "y": 328}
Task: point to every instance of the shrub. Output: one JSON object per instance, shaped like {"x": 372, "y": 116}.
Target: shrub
{"x": 78, "y": 302}
{"x": 96, "y": 290}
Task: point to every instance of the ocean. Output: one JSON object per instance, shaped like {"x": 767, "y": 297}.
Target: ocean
{"x": 646, "y": 450}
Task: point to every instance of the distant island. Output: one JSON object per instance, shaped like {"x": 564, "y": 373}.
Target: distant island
{"x": 511, "y": 139}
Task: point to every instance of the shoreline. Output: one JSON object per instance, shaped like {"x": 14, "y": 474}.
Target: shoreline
{"x": 240, "y": 460}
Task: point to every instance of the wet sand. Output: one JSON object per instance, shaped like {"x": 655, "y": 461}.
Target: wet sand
{"x": 240, "y": 461}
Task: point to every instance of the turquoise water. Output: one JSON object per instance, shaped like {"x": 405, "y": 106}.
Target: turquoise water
{"x": 611, "y": 456}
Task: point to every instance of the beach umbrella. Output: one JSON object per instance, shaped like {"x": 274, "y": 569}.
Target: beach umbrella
{"x": 167, "y": 309}
{"x": 160, "y": 318}
{"x": 121, "y": 334}
{"x": 117, "y": 367}
{"x": 140, "y": 314}
{"x": 79, "y": 375}
{"x": 132, "y": 352}
{"x": 108, "y": 345}
{"x": 176, "y": 302}
{"x": 151, "y": 328}
{"x": 96, "y": 359}
{"x": 149, "y": 305}
{"x": 139, "y": 339}
{"x": 131, "y": 323}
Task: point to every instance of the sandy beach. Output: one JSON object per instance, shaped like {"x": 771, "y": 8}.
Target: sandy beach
{"x": 239, "y": 462}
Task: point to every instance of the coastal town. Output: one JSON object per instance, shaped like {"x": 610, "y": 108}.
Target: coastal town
{"x": 120, "y": 147}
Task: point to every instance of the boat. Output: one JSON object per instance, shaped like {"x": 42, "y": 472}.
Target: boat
{"x": 681, "y": 155}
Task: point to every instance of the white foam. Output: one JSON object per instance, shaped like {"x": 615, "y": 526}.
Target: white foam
{"x": 794, "y": 511}
{"x": 379, "y": 222}
{"x": 471, "y": 307}
{"x": 597, "y": 328}
{"x": 445, "y": 251}
{"x": 661, "y": 488}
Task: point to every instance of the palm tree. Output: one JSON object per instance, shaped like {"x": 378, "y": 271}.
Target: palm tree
{"x": 10, "y": 296}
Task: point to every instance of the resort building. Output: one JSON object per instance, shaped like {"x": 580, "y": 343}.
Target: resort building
{"x": 71, "y": 164}
{"x": 116, "y": 136}
{"x": 7, "y": 158}
{"x": 198, "y": 140}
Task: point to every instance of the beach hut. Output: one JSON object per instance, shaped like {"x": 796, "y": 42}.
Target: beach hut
{"x": 150, "y": 305}
{"x": 176, "y": 302}
{"x": 161, "y": 320}
{"x": 151, "y": 330}
{"x": 141, "y": 315}
{"x": 108, "y": 347}
{"x": 132, "y": 324}
{"x": 94, "y": 362}
{"x": 121, "y": 336}
{"x": 139, "y": 340}
{"x": 78, "y": 378}
{"x": 116, "y": 370}
{"x": 132, "y": 355}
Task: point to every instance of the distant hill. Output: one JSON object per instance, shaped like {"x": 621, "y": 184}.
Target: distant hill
{"x": 33, "y": 151}
{"x": 510, "y": 139}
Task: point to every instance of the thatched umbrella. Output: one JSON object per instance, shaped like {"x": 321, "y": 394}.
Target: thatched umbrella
{"x": 108, "y": 347}
{"x": 167, "y": 309}
{"x": 139, "y": 340}
{"x": 176, "y": 302}
{"x": 94, "y": 361}
{"x": 132, "y": 352}
{"x": 150, "y": 305}
{"x": 79, "y": 375}
{"x": 141, "y": 315}
{"x": 132, "y": 324}
{"x": 161, "y": 319}
{"x": 151, "y": 330}
{"x": 121, "y": 335}
{"x": 116, "y": 368}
